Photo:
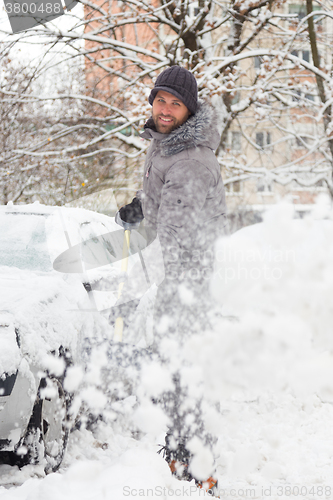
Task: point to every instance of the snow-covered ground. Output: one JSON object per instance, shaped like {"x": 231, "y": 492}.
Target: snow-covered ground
{"x": 266, "y": 372}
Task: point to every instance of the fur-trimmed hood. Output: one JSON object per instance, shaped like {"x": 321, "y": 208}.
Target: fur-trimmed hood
{"x": 183, "y": 197}
{"x": 199, "y": 130}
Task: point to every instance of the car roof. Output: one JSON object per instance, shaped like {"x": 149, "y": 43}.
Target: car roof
{"x": 37, "y": 208}
{"x": 33, "y": 208}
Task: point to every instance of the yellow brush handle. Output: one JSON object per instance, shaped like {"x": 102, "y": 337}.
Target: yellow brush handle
{"x": 118, "y": 329}
{"x": 119, "y": 325}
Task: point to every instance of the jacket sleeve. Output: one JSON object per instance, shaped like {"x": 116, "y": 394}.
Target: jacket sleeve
{"x": 183, "y": 196}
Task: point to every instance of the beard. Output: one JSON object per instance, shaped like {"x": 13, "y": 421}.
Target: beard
{"x": 166, "y": 128}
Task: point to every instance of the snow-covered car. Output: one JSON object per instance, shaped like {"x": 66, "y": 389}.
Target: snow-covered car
{"x": 47, "y": 314}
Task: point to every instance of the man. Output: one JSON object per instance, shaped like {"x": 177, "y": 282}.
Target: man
{"x": 183, "y": 203}
{"x": 183, "y": 199}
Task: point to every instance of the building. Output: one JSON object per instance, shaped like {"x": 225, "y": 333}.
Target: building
{"x": 274, "y": 139}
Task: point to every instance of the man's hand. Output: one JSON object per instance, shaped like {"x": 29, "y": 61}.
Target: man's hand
{"x": 131, "y": 213}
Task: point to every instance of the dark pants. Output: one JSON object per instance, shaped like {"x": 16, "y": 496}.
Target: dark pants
{"x": 181, "y": 310}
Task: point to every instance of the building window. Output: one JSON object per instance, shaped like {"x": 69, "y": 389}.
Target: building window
{"x": 234, "y": 188}
{"x": 268, "y": 138}
{"x": 263, "y": 139}
{"x": 301, "y": 141}
{"x": 310, "y": 188}
{"x": 301, "y": 97}
{"x": 306, "y": 55}
{"x": 296, "y": 95}
{"x": 260, "y": 139}
{"x": 259, "y": 60}
{"x": 300, "y": 10}
{"x": 193, "y": 10}
{"x": 236, "y": 141}
{"x": 264, "y": 185}
{"x": 236, "y": 98}
{"x": 302, "y": 54}
{"x": 321, "y": 185}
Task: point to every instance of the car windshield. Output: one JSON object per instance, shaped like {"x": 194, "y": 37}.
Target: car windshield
{"x": 23, "y": 242}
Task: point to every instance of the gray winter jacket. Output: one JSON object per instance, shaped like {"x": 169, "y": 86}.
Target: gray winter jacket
{"x": 183, "y": 197}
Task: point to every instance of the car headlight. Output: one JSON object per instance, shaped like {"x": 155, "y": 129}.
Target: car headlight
{"x": 6, "y": 384}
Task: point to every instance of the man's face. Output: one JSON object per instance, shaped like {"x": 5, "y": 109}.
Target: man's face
{"x": 169, "y": 112}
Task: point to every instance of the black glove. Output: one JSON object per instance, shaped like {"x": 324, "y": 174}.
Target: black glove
{"x": 132, "y": 212}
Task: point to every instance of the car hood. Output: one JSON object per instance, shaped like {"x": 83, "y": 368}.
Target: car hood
{"x": 20, "y": 289}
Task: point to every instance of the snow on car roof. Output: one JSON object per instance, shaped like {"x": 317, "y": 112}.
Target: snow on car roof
{"x": 40, "y": 209}
{"x": 31, "y": 208}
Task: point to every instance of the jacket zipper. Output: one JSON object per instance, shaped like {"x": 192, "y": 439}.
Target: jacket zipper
{"x": 150, "y": 163}
{"x": 148, "y": 170}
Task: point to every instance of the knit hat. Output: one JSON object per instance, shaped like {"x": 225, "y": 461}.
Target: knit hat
{"x": 180, "y": 83}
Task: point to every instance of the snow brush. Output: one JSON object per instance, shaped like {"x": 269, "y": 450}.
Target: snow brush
{"x": 119, "y": 324}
